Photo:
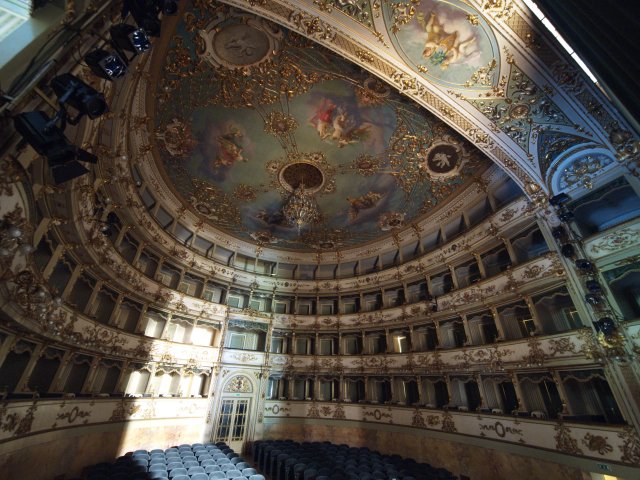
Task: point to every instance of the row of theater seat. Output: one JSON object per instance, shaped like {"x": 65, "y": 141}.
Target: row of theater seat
{"x": 289, "y": 460}
{"x": 185, "y": 462}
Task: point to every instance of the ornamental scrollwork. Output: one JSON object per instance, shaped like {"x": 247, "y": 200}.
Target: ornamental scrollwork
{"x": 312, "y": 26}
{"x": 597, "y": 443}
{"x": 630, "y": 447}
{"x": 564, "y": 441}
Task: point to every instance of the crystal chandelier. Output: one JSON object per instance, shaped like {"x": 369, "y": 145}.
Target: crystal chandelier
{"x": 300, "y": 208}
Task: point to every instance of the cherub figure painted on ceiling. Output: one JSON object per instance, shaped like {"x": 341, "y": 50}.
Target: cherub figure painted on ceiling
{"x": 444, "y": 46}
{"x": 445, "y": 41}
{"x": 335, "y": 125}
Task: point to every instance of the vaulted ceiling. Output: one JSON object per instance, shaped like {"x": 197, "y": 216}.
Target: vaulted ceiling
{"x": 385, "y": 110}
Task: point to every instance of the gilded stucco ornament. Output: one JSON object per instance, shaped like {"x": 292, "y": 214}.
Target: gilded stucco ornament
{"x": 240, "y": 41}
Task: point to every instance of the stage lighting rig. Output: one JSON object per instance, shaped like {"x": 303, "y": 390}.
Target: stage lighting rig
{"x": 127, "y": 38}
{"x": 47, "y": 139}
{"x": 107, "y": 65}
{"x": 84, "y": 99}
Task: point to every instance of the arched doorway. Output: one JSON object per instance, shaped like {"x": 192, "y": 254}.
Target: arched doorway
{"x": 233, "y": 415}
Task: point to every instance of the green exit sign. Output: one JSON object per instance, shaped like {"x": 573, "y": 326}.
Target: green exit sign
{"x": 604, "y": 467}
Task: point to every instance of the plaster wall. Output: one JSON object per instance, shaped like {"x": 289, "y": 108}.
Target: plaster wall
{"x": 477, "y": 463}
{"x": 64, "y": 453}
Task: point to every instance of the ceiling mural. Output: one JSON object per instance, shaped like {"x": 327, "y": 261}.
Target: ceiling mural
{"x": 447, "y": 42}
{"x": 247, "y": 112}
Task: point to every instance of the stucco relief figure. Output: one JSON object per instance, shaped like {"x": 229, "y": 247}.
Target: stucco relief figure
{"x": 441, "y": 47}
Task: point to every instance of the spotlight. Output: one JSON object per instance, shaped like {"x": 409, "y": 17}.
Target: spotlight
{"x": 558, "y": 232}
{"x": 74, "y": 92}
{"x": 565, "y": 215}
{"x": 168, "y": 7}
{"x": 107, "y": 228}
{"x": 592, "y": 299}
{"x": 127, "y": 38}
{"x": 107, "y": 65}
{"x": 606, "y": 325}
{"x": 593, "y": 286}
{"x": 559, "y": 199}
{"x": 567, "y": 250}
{"x": 145, "y": 13}
{"x": 585, "y": 265}
{"x": 42, "y": 134}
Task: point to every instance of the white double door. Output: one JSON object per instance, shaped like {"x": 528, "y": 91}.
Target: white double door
{"x": 232, "y": 423}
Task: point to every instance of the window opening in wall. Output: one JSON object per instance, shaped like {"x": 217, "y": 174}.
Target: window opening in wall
{"x": 326, "y": 309}
{"x": 281, "y": 307}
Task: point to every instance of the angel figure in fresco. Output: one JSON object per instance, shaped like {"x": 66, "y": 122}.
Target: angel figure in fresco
{"x": 229, "y": 148}
{"x": 345, "y": 130}
{"x": 323, "y": 117}
{"x": 443, "y": 48}
{"x": 364, "y": 202}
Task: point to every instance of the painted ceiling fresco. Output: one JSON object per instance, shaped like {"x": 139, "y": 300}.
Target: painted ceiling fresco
{"x": 245, "y": 111}
{"x": 447, "y": 42}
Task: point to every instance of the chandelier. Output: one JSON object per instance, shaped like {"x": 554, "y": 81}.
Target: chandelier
{"x": 300, "y": 208}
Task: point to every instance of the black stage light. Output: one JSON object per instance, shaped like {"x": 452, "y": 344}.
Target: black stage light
{"x": 74, "y": 92}
{"x": 559, "y": 199}
{"x": 129, "y": 38}
{"x": 565, "y": 215}
{"x": 168, "y": 7}
{"x": 108, "y": 65}
{"x": 145, "y": 13}
{"x": 558, "y": 232}
{"x": 47, "y": 139}
{"x": 606, "y": 325}
{"x": 584, "y": 265}
{"x": 593, "y": 286}
{"x": 592, "y": 299}
{"x": 567, "y": 250}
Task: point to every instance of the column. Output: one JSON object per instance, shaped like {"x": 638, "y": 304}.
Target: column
{"x": 566, "y": 406}
{"x": 519, "y": 396}
{"x": 89, "y": 308}
{"x": 136, "y": 257}
{"x": 467, "y": 330}
{"x": 483, "y": 272}
{"x": 454, "y": 277}
{"x": 6, "y": 346}
{"x": 121, "y": 234}
{"x": 72, "y": 281}
{"x": 483, "y": 394}
{"x": 22, "y": 385}
{"x": 53, "y": 261}
{"x": 88, "y": 382}
{"x": 447, "y": 381}
{"x": 498, "y": 322}
{"x": 389, "y": 342}
{"x": 510, "y": 251}
{"x": 163, "y": 335}
{"x": 123, "y": 379}
{"x": 412, "y": 342}
{"x": 534, "y": 315}
{"x": 57, "y": 385}
{"x": 439, "y": 334}
{"x": 113, "y": 319}
{"x": 149, "y": 388}
{"x": 421, "y": 399}
{"x": 40, "y": 230}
